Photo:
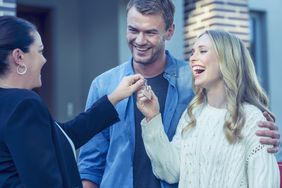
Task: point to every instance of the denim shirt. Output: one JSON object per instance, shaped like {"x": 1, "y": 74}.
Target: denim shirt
{"x": 107, "y": 158}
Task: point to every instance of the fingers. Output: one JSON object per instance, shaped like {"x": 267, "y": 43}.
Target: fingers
{"x": 134, "y": 78}
{"x": 135, "y": 86}
{"x": 268, "y": 133}
{"x": 267, "y": 141}
{"x": 273, "y": 150}
{"x": 141, "y": 97}
{"x": 268, "y": 124}
{"x": 272, "y": 142}
{"x": 271, "y": 136}
{"x": 268, "y": 116}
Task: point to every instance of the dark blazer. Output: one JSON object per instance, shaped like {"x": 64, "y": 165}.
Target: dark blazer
{"x": 34, "y": 152}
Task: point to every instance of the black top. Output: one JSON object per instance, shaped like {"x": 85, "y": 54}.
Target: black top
{"x": 33, "y": 150}
{"x": 143, "y": 176}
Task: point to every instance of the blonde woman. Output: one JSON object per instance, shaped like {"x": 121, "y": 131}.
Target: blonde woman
{"x": 215, "y": 144}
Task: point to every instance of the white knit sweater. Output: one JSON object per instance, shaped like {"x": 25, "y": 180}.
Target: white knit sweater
{"x": 203, "y": 158}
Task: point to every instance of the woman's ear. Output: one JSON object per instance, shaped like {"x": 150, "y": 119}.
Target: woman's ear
{"x": 17, "y": 56}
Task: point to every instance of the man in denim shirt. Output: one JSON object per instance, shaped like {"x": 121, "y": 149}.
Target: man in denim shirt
{"x": 116, "y": 158}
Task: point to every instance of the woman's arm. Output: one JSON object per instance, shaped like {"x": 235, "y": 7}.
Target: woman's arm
{"x": 83, "y": 127}
{"x": 164, "y": 155}
{"x": 102, "y": 114}
{"x": 29, "y": 140}
{"x": 262, "y": 167}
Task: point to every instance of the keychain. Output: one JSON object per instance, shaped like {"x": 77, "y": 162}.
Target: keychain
{"x": 146, "y": 92}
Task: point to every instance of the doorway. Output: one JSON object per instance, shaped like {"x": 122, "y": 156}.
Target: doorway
{"x": 41, "y": 18}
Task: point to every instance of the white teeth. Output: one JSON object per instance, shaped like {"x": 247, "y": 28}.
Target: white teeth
{"x": 140, "y": 49}
{"x": 195, "y": 68}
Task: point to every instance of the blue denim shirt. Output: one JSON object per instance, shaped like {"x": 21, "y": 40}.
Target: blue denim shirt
{"x": 107, "y": 158}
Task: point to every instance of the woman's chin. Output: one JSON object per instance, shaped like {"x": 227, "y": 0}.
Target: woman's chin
{"x": 198, "y": 84}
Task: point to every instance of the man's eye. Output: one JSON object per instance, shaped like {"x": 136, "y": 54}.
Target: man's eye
{"x": 132, "y": 30}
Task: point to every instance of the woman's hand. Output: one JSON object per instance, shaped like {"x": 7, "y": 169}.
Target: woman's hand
{"x": 126, "y": 88}
{"x": 149, "y": 107}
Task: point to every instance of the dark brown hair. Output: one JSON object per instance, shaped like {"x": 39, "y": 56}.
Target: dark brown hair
{"x": 14, "y": 33}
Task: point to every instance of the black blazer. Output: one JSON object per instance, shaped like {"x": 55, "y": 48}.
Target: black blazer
{"x": 34, "y": 152}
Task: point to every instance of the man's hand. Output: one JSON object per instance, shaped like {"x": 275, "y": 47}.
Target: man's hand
{"x": 271, "y": 136}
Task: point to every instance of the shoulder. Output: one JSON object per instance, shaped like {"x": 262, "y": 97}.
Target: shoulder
{"x": 10, "y": 99}
{"x": 22, "y": 106}
{"x": 118, "y": 71}
{"x": 182, "y": 71}
{"x": 112, "y": 76}
{"x": 185, "y": 118}
{"x": 24, "y": 94}
{"x": 32, "y": 100}
{"x": 13, "y": 97}
{"x": 181, "y": 64}
{"x": 252, "y": 112}
{"x": 251, "y": 140}
{"x": 26, "y": 101}
{"x": 252, "y": 116}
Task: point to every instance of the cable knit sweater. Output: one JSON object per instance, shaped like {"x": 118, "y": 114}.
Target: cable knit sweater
{"x": 203, "y": 158}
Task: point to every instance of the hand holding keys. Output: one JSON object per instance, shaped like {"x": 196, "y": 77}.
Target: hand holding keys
{"x": 147, "y": 91}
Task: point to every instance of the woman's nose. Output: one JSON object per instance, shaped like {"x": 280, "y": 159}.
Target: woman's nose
{"x": 192, "y": 56}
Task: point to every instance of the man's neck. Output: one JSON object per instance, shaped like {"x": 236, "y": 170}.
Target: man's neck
{"x": 152, "y": 69}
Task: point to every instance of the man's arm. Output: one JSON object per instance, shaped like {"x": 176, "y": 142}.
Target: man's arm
{"x": 271, "y": 136}
{"x": 89, "y": 184}
{"x": 92, "y": 155}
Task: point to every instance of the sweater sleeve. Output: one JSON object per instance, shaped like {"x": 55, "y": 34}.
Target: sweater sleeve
{"x": 262, "y": 167}
{"x": 164, "y": 155}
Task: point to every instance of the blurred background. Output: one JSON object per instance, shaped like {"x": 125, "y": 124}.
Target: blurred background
{"x": 83, "y": 39}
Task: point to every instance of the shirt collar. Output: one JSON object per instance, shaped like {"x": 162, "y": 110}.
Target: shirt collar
{"x": 171, "y": 66}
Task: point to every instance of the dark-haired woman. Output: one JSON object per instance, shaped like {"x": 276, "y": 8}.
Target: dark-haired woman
{"x": 35, "y": 151}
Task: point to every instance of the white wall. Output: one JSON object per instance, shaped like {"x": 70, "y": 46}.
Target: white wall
{"x": 274, "y": 41}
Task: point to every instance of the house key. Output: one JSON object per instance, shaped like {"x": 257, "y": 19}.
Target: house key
{"x": 146, "y": 92}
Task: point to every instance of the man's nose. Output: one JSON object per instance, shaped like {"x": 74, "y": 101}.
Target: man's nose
{"x": 140, "y": 39}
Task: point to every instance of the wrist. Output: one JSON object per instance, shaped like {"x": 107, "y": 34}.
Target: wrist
{"x": 113, "y": 99}
{"x": 150, "y": 117}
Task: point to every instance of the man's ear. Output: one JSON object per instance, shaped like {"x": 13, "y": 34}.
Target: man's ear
{"x": 170, "y": 31}
{"x": 17, "y": 55}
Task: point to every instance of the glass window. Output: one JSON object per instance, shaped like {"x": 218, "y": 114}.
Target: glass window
{"x": 258, "y": 47}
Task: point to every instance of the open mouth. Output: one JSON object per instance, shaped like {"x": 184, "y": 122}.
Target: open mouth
{"x": 141, "y": 48}
{"x": 198, "y": 69}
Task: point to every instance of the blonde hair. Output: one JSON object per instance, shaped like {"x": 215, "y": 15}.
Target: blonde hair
{"x": 240, "y": 81}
